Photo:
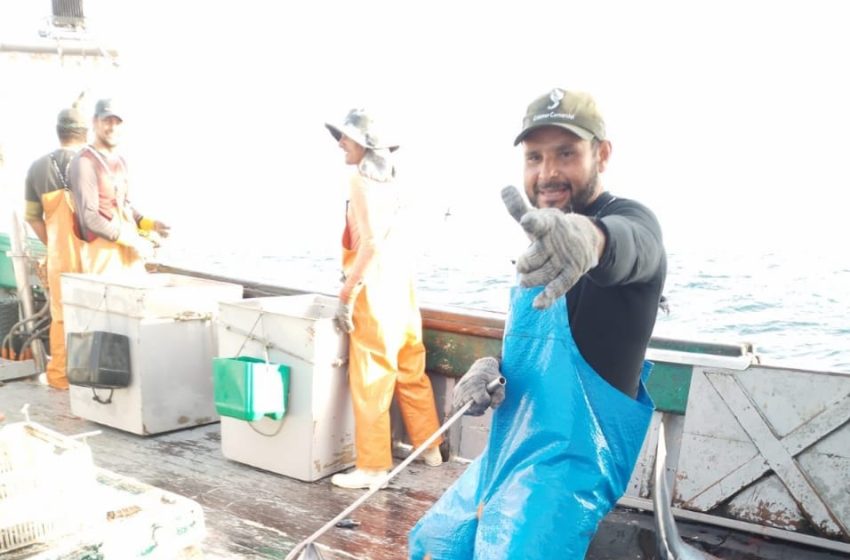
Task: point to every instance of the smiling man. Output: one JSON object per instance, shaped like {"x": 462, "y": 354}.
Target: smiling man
{"x": 106, "y": 219}
{"x": 604, "y": 252}
{"x": 567, "y": 429}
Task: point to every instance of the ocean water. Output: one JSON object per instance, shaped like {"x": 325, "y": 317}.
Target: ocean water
{"x": 792, "y": 305}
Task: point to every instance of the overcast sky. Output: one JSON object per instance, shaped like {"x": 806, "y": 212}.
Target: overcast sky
{"x": 728, "y": 118}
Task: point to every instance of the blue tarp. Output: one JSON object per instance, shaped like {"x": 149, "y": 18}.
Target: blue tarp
{"x": 561, "y": 450}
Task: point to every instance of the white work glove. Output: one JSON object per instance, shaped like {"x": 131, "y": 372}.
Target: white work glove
{"x": 473, "y": 387}
{"x": 344, "y": 317}
{"x": 129, "y": 236}
{"x": 143, "y": 247}
{"x": 564, "y": 247}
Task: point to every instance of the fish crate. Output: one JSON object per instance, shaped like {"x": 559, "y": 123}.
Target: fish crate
{"x": 46, "y": 484}
{"x": 315, "y": 437}
{"x": 168, "y": 320}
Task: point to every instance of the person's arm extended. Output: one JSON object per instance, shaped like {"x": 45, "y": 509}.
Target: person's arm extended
{"x": 86, "y": 199}
{"x": 633, "y": 247}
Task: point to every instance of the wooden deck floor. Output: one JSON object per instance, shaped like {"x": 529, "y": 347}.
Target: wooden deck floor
{"x": 256, "y": 515}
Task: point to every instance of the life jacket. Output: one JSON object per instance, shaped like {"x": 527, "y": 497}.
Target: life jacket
{"x": 111, "y": 188}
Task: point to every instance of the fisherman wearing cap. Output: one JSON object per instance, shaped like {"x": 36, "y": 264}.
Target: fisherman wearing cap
{"x": 378, "y": 308}
{"x": 569, "y": 427}
{"x": 48, "y": 212}
{"x": 117, "y": 237}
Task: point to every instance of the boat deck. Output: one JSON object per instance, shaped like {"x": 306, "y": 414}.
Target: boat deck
{"x": 257, "y": 515}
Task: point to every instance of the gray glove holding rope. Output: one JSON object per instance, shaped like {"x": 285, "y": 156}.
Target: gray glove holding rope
{"x": 564, "y": 247}
{"x": 473, "y": 386}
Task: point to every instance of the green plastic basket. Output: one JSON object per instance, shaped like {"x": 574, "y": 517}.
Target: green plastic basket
{"x": 250, "y": 388}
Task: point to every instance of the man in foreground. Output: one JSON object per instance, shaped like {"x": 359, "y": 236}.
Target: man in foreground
{"x": 565, "y": 439}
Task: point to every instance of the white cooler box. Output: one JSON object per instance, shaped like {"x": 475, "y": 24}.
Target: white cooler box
{"x": 169, "y": 320}
{"x": 315, "y": 436}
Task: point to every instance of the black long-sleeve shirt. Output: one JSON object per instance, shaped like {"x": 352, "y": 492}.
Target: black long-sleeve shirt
{"x": 612, "y": 309}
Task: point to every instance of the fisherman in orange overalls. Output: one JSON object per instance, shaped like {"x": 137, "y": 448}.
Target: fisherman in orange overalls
{"x": 378, "y": 309}
{"x": 108, "y": 223}
{"x": 49, "y": 214}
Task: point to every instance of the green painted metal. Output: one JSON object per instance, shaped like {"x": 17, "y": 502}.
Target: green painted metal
{"x": 7, "y": 269}
{"x": 669, "y": 386}
{"x": 451, "y": 354}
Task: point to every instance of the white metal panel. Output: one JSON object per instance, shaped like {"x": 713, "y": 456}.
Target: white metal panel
{"x": 787, "y": 399}
{"x": 16, "y": 369}
{"x": 769, "y": 446}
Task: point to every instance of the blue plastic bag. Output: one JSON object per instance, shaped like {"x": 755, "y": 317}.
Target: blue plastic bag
{"x": 561, "y": 450}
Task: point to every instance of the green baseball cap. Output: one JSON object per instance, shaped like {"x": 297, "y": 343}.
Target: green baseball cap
{"x": 575, "y": 111}
{"x": 360, "y": 127}
{"x": 71, "y": 119}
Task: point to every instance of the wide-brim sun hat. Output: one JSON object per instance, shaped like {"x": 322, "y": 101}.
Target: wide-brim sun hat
{"x": 361, "y": 127}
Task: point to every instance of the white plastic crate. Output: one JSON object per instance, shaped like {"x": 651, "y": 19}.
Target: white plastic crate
{"x": 315, "y": 437}
{"x": 46, "y": 484}
{"x": 168, "y": 319}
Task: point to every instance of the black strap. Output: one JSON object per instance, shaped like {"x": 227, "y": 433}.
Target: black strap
{"x": 63, "y": 175}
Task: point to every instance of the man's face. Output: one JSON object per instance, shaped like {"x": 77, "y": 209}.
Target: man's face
{"x": 561, "y": 169}
{"x": 354, "y": 152}
{"x": 108, "y": 130}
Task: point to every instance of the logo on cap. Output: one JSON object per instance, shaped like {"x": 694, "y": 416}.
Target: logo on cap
{"x": 556, "y": 96}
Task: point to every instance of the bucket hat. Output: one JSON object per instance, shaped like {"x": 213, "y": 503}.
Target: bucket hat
{"x": 360, "y": 127}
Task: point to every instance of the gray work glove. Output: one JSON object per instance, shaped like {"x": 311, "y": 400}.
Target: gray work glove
{"x": 344, "y": 317}
{"x": 563, "y": 248}
{"x": 473, "y": 387}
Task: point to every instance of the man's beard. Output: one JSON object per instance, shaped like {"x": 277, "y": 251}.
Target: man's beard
{"x": 580, "y": 198}
{"x": 108, "y": 142}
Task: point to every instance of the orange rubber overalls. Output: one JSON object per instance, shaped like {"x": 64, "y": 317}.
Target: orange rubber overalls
{"x": 386, "y": 353}
{"x": 101, "y": 256}
{"x": 63, "y": 255}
